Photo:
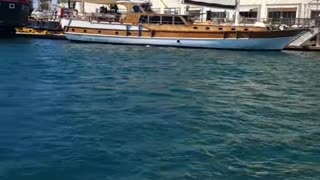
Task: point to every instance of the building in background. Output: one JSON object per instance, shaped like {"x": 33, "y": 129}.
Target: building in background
{"x": 260, "y": 9}
{"x": 249, "y": 9}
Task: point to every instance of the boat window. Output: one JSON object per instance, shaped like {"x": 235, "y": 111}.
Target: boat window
{"x": 154, "y": 19}
{"x": 167, "y": 19}
{"x": 233, "y": 29}
{"x": 207, "y": 28}
{"x": 99, "y": 31}
{"x": 84, "y": 30}
{"x": 161, "y": 20}
{"x": 195, "y": 27}
{"x": 220, "y": 29}
{"x": 188, "y": 19}
{"x": 143, "y": 19}
{"x": 246, "y": 29}
{"x": 178, "y": 20}
{"x": 117, "y": 33}
{"x": 136, "y": 9}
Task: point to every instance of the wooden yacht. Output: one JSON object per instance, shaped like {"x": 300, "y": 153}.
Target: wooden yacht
{"x": 139, "y": 25}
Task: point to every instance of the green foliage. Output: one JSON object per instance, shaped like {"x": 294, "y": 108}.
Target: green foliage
{"x": 44, "y": 4}
{"x": 62, "y": 1}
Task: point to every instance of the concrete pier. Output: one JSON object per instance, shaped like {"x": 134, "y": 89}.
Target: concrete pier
{"x": 318, "y": 40}
{"x": 303, "y": 43}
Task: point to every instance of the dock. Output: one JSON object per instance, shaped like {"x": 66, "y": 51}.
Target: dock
{"x": 41, "y": 28}
{"x": 303, "y": 48}
{"x": 41, "y": 36}
{"x": 304, "y": 43}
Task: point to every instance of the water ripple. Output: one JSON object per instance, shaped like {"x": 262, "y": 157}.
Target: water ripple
{"x": 92, "y": 111}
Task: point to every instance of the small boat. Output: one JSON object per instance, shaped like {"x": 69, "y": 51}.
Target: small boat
{"x": 139, "y": 25}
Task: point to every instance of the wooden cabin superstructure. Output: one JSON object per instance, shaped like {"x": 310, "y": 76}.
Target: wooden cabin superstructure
{"x": 140, "y": 25}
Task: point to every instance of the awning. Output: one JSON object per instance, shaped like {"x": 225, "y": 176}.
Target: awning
{"x": 282, "y": 9}
{"x": 248, "y": 9}
{"x": 224, "y": 4}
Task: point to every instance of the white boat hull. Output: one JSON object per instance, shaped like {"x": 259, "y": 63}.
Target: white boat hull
{"x": 236, "y": 44}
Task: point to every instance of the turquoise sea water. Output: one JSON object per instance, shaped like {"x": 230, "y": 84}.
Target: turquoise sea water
{"x": 92, "y": 111}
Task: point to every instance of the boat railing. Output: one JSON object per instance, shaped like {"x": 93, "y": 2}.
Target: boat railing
{"x": 173, "y": 10}
{"x": 291, "y": 22}
{"x": 286, "y": 22}
{"x": 101, "y": 17}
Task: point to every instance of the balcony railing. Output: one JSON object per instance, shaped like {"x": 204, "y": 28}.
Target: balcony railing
{"x": 286, "y": 22}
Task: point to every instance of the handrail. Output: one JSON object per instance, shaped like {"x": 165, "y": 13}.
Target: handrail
{"x": 288, "y": 22}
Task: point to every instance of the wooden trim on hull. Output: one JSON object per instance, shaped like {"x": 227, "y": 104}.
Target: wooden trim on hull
{"x": 186, "y": 34}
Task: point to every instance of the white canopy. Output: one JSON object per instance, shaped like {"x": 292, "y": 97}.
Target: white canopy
{"x": 225, "y": 4}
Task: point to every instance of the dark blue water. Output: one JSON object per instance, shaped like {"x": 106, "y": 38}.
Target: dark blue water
{"x": 90, "y": 111}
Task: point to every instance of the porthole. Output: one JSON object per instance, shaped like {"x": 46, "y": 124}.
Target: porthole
{"x": 117, "y": 33}
{"x": 195, "y": 27}
{"x": 72, "y": 30}
{"x": 233, "y": 29}
{"x": 129, "y": 33}
{"x": 220, "y": 29}
{"x": 85, "y": 30}
{"x": 246, "y": 29}
{"x": 12, "y": 6}
{"x": 207, "y": 28}
{"x": 99, "y": 31}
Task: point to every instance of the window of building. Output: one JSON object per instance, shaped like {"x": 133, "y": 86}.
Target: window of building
{"x": 315, "y": 14}
{"x": 249, "y": 14}
{"x": 248, "y": 17}
{"x": 278, "y": 13}
{"x": 285, "y": 16}
{"x": 218, "y": 14}
{"x": 195, "y": 14}
{"x": 171, "y": 10}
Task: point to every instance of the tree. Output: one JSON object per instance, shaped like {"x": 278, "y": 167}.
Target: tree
{"x": 44, "y": 4}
